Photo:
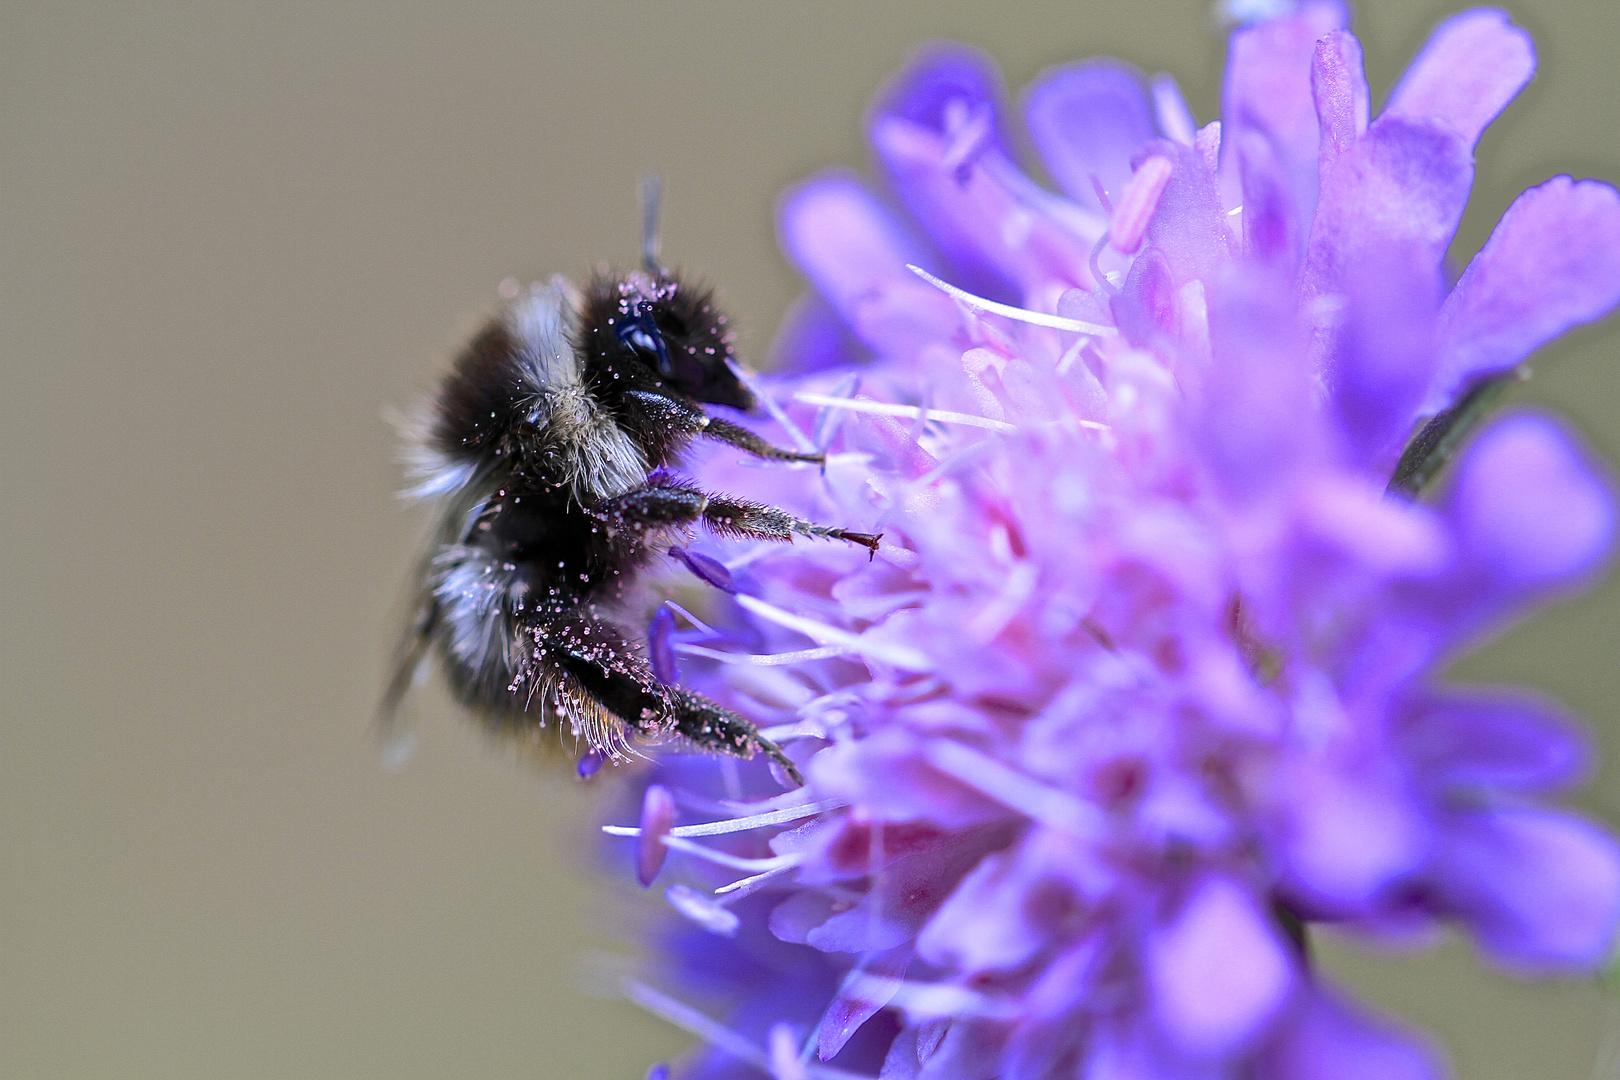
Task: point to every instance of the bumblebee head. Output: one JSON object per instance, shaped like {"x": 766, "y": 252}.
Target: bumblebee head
{"x": 673, "y": 331}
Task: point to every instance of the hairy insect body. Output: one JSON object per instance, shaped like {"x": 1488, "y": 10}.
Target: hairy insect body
{"x": 547, "y": 445}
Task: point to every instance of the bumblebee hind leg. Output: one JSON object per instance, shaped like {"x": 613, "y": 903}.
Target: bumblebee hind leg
{"x": 604, "y": 686}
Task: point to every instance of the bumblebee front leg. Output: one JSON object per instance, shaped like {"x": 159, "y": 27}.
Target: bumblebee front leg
{"x": 741, "y": 517}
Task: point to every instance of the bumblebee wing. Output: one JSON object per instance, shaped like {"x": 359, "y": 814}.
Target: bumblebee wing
{"x": 411, "y": 664}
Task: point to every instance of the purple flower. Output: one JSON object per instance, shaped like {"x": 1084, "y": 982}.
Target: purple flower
{"x": 1143, "y": 681}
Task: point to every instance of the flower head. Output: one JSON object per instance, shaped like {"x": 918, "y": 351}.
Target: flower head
{"x": 1143, "y": 680}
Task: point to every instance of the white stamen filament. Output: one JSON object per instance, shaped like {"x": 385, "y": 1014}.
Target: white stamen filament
{"x": 1035, "y": 318}
{"x": 901, "y": 656}
{"x": 749, "y": 885}
{"x": 884, "y": 408}
{"x": 715, "y": 1033}
{"x": 740, "y": 824}
{"x": 825, "y": 652}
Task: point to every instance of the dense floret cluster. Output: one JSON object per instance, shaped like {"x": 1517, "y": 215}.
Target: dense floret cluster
{"x": 1143, "y": 680}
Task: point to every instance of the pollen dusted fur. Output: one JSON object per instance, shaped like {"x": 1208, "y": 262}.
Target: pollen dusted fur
{"x": 546, "y": 446}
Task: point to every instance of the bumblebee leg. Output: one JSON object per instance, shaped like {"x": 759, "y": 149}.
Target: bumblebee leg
{"x": 743, "y": 439}
{"x": 614, "y": 675}
{"x": 741, "y": 517}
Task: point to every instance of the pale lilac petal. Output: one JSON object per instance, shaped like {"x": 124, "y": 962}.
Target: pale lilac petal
{"x": 935, "y": 140}
{"x": 1325, "y": 1037}
{"x": 1190, "y": 227}
{"x": 1340, "y": 88}
{"x": 855, "y": 254}
{"x": 861, "y": 998}
{"x": 889, "y": 774}
{"x": 1175, "y": 119}
{"x": 1471, "y": 67}
{"x": 1350, "y": 833}
{"x": 1145, "y": 307}
{"x": 1249, "y": 441}
{"x": 1403, "y": 184}
{"x": 1087, "y": 120}
{"x": 1540, "y": 889}
{"x": 983, "y": 927}
{"x": 1268, "y": 90}
{"x": 1530, "y": 510}
{"x": 1552, "y": 262}
{"x": 1218, "y": 971}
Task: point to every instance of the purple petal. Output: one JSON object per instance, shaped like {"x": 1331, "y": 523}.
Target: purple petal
{"x": 1272, "y": 228}
{"x": 860, "y": 999}
{"x": 812, "y": 337}
{"x": 902, "y": 898}
{"x": 1552, "y": 262}
{"x": 1257, "y": 390}
{"x": 1483, "y": 742}
{"x": 1087, "y": 120}
{"x": 1268, "y": 90}
{"x": 887, "y": 773}
{"x": 1473, "y": 65}
{"x": 1339, "y": 86}
{"x": 1531, "y": 511}
{"x": 953, "y": 174}
{"x": 1401, "y": 185}
{"x": 1145, "y": 308}
{"x": 855, "y": 254}
{"x": 660, "y": 648}
{"x": 1326, "y": 1038}
{"x": 657, "y": 816}
{"x": 982, "y": 926}
{"x": 1380, "y": 358}
{"x": 1218, "y": 971}
{"x": 1540, "y": 889}
{"x": 941, "y": 80}
{"x": 1175, "y": 119}
{"x": 712, "y": 571}
{"x": 1351, "y": 832}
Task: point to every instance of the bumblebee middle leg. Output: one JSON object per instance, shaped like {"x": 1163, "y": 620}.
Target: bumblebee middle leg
{"x": 594, "y": 658}
{"x": 630, "y": 516}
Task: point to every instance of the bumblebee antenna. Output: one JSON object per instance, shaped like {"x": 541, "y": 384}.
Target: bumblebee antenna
{"x": 652, "y": 190}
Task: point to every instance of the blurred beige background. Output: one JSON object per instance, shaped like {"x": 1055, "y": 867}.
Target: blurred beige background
{"x": 229, "y": 236}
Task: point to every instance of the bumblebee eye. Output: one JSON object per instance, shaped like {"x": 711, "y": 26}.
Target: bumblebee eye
{"x": 642, "y": 334}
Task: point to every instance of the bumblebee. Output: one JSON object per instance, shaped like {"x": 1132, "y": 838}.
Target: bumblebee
{"x": 547, "y": 447}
